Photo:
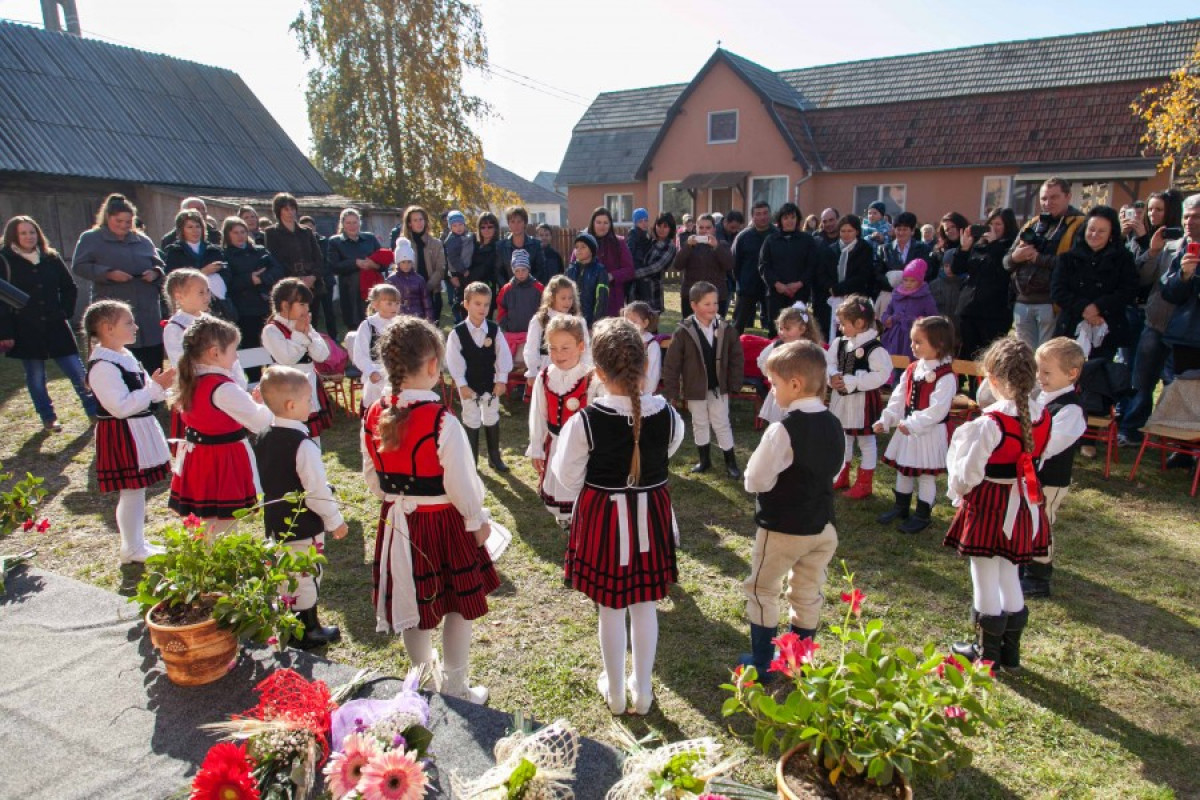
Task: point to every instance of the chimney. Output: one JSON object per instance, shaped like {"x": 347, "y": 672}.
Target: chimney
{"x": 70, "y": 15}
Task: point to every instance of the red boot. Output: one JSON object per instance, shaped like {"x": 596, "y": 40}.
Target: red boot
{"x": 842, "y": 481}
{"x": 863, "y": 485}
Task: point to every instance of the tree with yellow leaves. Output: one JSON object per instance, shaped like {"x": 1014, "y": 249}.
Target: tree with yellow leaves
{"x": 1172, "y": 132}
{"x": 390, "y": 121}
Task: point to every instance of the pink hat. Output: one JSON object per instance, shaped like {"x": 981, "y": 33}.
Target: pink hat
{"x": 916, "y": 270}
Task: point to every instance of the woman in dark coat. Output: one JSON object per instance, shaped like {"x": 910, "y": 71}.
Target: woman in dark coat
{"x": 252, "y": 272}
{"x": 855, "y": 271}
{"x": 485, "y": 257}
{"x": 191, "y": 250}
{"x": 984, "y": 304}
{"x": 1096, "y": 282}
{"x": 124, "y": 265}
{"x": 788, "y": 257}
{"x": 42, "y": 329}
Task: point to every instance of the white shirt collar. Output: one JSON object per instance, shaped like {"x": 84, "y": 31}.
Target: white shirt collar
{"x": 1010, "y": 408}
{"x": 379, "y": 323}
{"x": 290, "y": 424}
{"x": 473, "y": 327}
{"x": 651, "y": 404}
{"x": 1045, "y": 397}
{"x": 408, "y": 397}
{"x": 122, "y": 356}
{"x": 573, "y": 374}
{"x": 212, "y": 369}
{"x": 927, "y": 365}
{"x": 864, "y": 337}
{"x": 807, "y": 405}
{"x": 283, "y": 320}
{"x": 183, "y": 317}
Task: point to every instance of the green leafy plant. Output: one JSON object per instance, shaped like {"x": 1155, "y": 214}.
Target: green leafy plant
{"x": 874, "y": 710}
{"x": 18, "y": 504}
{"x": 245, "y": 578}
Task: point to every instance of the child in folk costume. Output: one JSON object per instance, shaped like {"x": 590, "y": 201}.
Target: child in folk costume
{"x": 1001, "y": 521}
{"x": 918, "y": 409}
{"x": 614, "y": 455}
{"x": 215, "y": 473}
{"x": 291, "y": 340}
{"x": 290, "y": 461}
{"x": 431, "y": 565}
{"x": 384, "y": 303}
{"x": 703, "y": 365}
{"x": 559, "y": 297}
{"x": 560, "y": 391}
{"x": 642, "y": 315}
{"x": 1060, "y": 363}
{"x": 478, "y": 359}
{"x": 131, "y": 451}
{"x": 794, "y": 323}
{"x": 858, "y": 366}
{"x": 791, "y": 474}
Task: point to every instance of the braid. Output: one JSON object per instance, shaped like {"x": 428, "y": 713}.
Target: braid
{"x": 1011, "y": 361}
{"x": 619, "y": 352}
{"x": 405, "y": 347}
{"x": 635, "y": 463}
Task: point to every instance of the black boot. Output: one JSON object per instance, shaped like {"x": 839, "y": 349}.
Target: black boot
{"x": 315, "y": 635}
{"x": 1035, "y": 579}
{"x": 731, "y": 465}
{"x": 803, "y": 633}
{"x": 493, "y": 446}
{"x": 762, "y": 651}
{"x": 1010, "y": 646}
{"x": 898, "y": 511}
{"x": 473, "y": 438}
{"x": 920, "y": 519}
{"x": 989, "y": 633}
{"x": 705, "y": 463}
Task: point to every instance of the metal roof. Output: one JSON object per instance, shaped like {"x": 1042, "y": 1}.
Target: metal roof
{"x": 528, "y": 191}
{"x": 84, "y": 108}
{"x": 605, "y": 156}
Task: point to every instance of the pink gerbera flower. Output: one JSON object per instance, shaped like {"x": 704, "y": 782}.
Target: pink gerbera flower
{"x": 344, "y": 770}
{"x": 393, "y": 776}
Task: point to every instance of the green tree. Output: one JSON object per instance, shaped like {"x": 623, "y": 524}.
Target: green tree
{"x": 390, "y": 121}
{"x": 1170, "y": 112}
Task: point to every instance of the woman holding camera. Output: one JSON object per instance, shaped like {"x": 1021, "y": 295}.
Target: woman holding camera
{"x": 41, "y": 330}
{"x": 984, "y": 307}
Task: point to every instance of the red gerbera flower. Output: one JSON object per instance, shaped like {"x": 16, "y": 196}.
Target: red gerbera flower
{"x": 855, "y": 599}
{"x": 225, "y": 775}
{"x": 192, "y": 521}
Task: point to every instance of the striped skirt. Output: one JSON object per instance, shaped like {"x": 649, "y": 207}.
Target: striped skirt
{"x": 858, "y": 411}
{"x": 117, "y": 463}
{"x": 978, "y": 526}
{"x": 621, "y": 549}
{"x": 322, "y": 418}
{"x": 450, "y": 572}
{"x": 214, "y": 480}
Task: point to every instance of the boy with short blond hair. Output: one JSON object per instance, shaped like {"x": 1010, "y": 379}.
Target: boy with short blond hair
{"x": 791, "y": 474}
{"x": 478, "y": 359}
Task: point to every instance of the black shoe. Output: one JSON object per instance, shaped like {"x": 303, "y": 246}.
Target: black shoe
{"x": 1180, "y": 461}
{"x": 989, "y": 633}
{"x": 762, "y": 651}
{"x": 705, "y": 463}
{"x": 731, "y": 465}
{"x": 1010, "y": 645}
{"x": 493, "y": 446}
{"x": 1035, "y": 579}
{"x": 920, "y": 519}
{"x": 473, "y": 438}
{"x": 315, "y": 635}
{"x": 898, "y": 511}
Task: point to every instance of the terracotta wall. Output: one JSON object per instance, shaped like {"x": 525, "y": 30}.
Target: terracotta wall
{"x": 583, "y": 200}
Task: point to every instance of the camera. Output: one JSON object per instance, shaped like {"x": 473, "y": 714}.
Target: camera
{"x": 1172, "y": 234}
{"x": 977, "y": 231}
{"x": 12, "y": 296}
{"x": 1032, "y": 237}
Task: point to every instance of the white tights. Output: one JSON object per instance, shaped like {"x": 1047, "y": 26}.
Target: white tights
{"x": 926, "y": 486}
{"x": 456, "y": 643}
{"x": 643, "y": 623}
{"x": 131, "y": 521}
{"x": 866, "y": 446}
{"x": 996, "y": 585}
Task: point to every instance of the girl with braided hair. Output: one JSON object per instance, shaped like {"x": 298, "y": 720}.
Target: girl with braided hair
{"x": 1001, "y": 521}
{"x": 612, "y": 456}
{"x": 431, "y": 565}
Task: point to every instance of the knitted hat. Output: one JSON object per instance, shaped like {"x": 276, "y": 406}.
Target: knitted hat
{"x": 879, "y": 206}
{"x": 404, "y": 250}
{"x": 640, "y": 214}
{"x": 520, "y": 259}
{"x": 589, "y": 240}
{"x": 916, "y": 270}
{"x": 456, "y": 216}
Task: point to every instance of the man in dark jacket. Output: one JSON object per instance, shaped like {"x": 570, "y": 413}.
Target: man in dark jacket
{"x": 553, "y": 259}
{"x": 519, "y": 239}
{"x": 751, "y": 291}
{"x": 789, "y": 264}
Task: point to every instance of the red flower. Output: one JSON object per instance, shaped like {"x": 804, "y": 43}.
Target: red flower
{"x": 855, "y": 599}
{"x": 952, "y": 661}
{"x": 986, "y": 666}
{"x": 27, "y": 525}
{"x": 273, "y": 640}
{"x": 225, "y": 775}
{"x": 288, "y": 600}
{"x": 954, "y": 712}
{"x": 320, "y": 548}
{"x": 793, "y": 652}
{"x": 192, "y": 521}
{"x": 737, "y": 676}
{"x": 43, "y": 526}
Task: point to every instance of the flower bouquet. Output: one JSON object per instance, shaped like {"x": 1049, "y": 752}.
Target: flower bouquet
{"x": 529, "y": 766}
{"x": 868, "y": 718}
{"x": 676, "y": 771}
{"x": 381, "y": 747}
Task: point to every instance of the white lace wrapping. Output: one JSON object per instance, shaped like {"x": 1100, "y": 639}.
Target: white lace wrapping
{"x": 553, "y": 750}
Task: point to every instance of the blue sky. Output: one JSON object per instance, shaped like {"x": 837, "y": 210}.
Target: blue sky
{"x": 550, "y": 58}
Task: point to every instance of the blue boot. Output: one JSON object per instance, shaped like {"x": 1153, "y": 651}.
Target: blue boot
{"x": 762, "y": 651}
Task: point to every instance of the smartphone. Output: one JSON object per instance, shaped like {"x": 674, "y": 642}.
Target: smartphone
{"x": 1193, "y": 249}
{"x": 1171, "y": 234}
{"x": 701, "y": 239}
{"x": 1128, "y": 213}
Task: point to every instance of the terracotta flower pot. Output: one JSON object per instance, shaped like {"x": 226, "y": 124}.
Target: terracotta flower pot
{"x": 801, "y": 751}
{"x": 193, "y": 654}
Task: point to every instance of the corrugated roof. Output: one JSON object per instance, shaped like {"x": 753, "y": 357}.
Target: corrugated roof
{"x": 605, "y": 144}
{"x": 85, "y": 108}
{"x": 528, "y": 191}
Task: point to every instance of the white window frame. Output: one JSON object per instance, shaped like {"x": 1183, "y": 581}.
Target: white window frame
{"x": 878, "y": 194}
{"x": 750, "y": 201}
{"x": 737, "y": 126}
{"x": 662, "y": 198}
{"x": 983, "y": 193}
{"x": 615, "y": 208}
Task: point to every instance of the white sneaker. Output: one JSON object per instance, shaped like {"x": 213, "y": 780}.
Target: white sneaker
{"x": 142, "y": 553}
{"x": 641, "y": 702}
{"x": 454, "y": 684}
{"x": 616, "y": 705}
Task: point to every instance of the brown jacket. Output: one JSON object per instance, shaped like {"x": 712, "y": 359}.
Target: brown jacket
{"x": 704, "y": 262}
{"x": 435, "y": 262}
{"x": 683, "y": 369}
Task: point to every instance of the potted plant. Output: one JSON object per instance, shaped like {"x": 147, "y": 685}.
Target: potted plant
{"x": 200, "y": 597}
{"x": 866, "y": 720}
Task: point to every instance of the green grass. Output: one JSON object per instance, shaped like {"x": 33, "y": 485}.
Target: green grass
{"x": 1108, "y": 705}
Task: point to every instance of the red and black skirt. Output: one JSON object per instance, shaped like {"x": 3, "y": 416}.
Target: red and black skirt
{"x": 117, "y": 459}
{"x": 450, "y": 572}
{"x": 872, "y": 411}
{"x": 178, "y": 429}
{"x": 322, "y": 418}
{"x": 978, "y": 526}
{"x": 214, "y": 481}
{"x": 621, "y": 548}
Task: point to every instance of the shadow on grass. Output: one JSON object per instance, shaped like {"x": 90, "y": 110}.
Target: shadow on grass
{"x": 967, "y": 783}
{"x": 50, "y": 465}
